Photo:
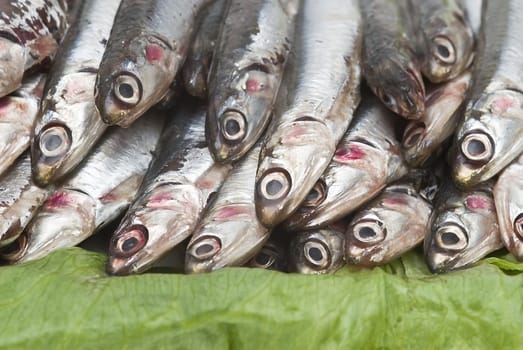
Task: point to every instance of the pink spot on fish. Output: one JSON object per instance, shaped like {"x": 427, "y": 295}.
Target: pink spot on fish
{"x": 58, "y": 200}
{"x": 107, "y": 198}
{"x": 253, "y": 85}
{"x": 503, "y": 104}
{"x": 153, "y": 53}
{"x": 352, "y": 152}
{"x": 476, "y": 202}
{"x": 158, "y": 200}
{"x": 394, "y": 201}
{"x": 229, "y": 212}
{"x": 4, "y": 104}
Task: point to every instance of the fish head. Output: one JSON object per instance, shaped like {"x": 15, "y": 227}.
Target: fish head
{"x": 508, "y": 196}
{"x": 12, "y": 63}
{"x": 489, "y": 137}
{"x": 65, "y": 219}
{"x": 135, "y": 79}
{"x": 240, "y": 112}
{"x": 464, "y": 230}
{"x": 284, "y": 181}
{"x": 421, "y": 138}
{"x": 270, "y": 257}
{"x": 64, "y": 128}
{"x": 317, "y": 251}
{"x": 449, "y": 46}
{"x": 168, "y": 215}
{"x": 389, "y": 226}
{"x": 231, "y": 239}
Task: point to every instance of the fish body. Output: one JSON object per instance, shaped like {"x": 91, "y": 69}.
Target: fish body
{"x": 317, "y": 98}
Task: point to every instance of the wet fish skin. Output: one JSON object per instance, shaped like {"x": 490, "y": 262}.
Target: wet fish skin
{"x": 229, "y": 233}
{"x": 490, "y": 135}
{"x": 197, "y": 65}
{"x": 448, "y": 39}
{"x": 508, "y": 198}
{"x": 17, "y": 115}
{"x": 318, "y": 95}
{"x": 388, "y": 58}
{"x": 366, "y": 159}
{"x": 393, "y": 223}
{"x": 171, "y": 200}
{"x": 443, "y": 109}
{"x": 68, "y": 124}
{"x": 464, "y": 228}
{"x": 147, "y": 45}
{"x": 97, "y": 192}
{"x": 246, "y": 74}
{"x": 318, "y": 251}
{"x": 30, "y": 33}
{"x": 20, "y": 199}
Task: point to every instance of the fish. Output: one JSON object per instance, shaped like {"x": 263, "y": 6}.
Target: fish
{"x": 30, "y": 33}
{"x": 393, "y": 223}
{"x": 97, "y": 192}
{"x": 490, "y": 135}
{"x": 272, "y": 256}
{"x": 68, "y": 124}
{"x": 444, "y": 106}
{"x": 229, "y": 233}
{"x": 173, "y": 195}
{"x": 319, "y": 251}
{"x": 464, "y": 228}
{"x": 18, "y": 112}
{"x": 389, "y": 62}
{"x": 447, "y": 44}
{"x": 317, "y": 99}
{"x": 246, "y": 73}
{"x": 195, "y": 70}
{"x": 20, "y": 199}
{"x": 508, "y": 199}
{"x": 147, "y": 45}
{"x": 366, "y": 159}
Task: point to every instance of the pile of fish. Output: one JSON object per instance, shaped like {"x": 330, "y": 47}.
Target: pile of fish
{"x": 297, "y": 135}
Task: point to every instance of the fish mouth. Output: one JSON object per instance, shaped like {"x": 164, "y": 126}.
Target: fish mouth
{"x": 413, "y": 135}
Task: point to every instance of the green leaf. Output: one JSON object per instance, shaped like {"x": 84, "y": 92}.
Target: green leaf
{"x": 66, "y": 301}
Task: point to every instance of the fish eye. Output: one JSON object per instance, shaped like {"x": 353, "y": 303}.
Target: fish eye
{"x": 127, "y": 89}
{"x": 264, "y": 259}
{"x": 316, "y": 254}
{"x": 369, "y": 231}
{"x": 518, "y": 225}
{"x": 233, "y": 126}
{"x": 54, "y": 141}
{"x": 388, "y": 100}
{"x": 477, "y": 146}
{"x": 451, "y": 237}
{"x": 316, "y": 195}
{"x": 129, "y": 242}
{"x": 444, "y": 50}
{"x": 274, "y": 184}
{"x": 205, "y": 247}
{"x": 16, "y": 249}
{"x": 413, "y": 134}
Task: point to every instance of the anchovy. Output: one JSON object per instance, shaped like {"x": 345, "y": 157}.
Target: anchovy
{"x": 393, "y": 223}
{"x": 176, "y": 188}
{"x": 17, "y": 115}
{"x": 196, "y": 67}
{"x": 246, "y": 73}
{"x": 423, "y": 138}
{"x": 318, "y": 251}
{"x": 490, "y": 136}
{"x": 272, "y": 256}
{"x": 366, "y": 160}
{"x": 147, "y": 45}
{"x": 229, "y": 234}
{"x": 30, "y": 33}
{"x": 464, "y": 230}
{"x": 20, "y": 199}
{"x": 97, "y": 192}
{"x": 508, "y": 197}
{"x": 448, "y": 40}
{"x": 318, "y": 96}
{"x": 68, "y": 124}
{"x": 388, "y": 58}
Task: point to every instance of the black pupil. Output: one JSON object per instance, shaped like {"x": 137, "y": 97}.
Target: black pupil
{"x": 204, "y": 249}
{"x": 443, "y": 51}
{"x": 52, "y": 142}
{"x": 129, "y": 244}
{"x": 313, "y": 195}
{"x": 367, "y": 232}
{"x": 315, "y": 254}
{"x": 387, "y": 99}
{"x": 449, "y": 238}
{"x": 263, "y": 259}
{"x": 125, "y": 90}
{"x": 475, "y": 147}
{"x": 232, "y": 127}
{"x": 273, "y": 187}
